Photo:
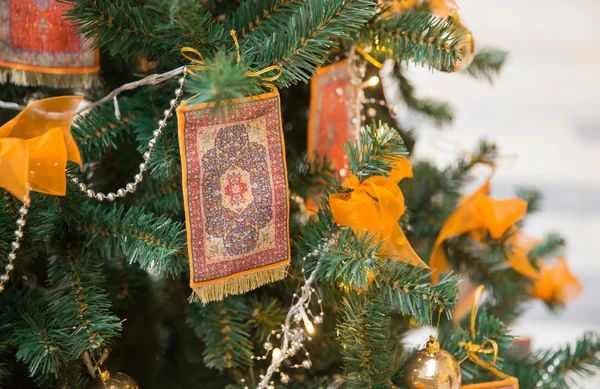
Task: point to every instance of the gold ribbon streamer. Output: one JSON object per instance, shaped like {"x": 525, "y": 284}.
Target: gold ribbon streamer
{"x": 473, "y": 349}
{"x": 35, "y": 147}
{"x": 369, "y": 58}
{"x": 374, "y": 207}
{"x": 197, "y": 58}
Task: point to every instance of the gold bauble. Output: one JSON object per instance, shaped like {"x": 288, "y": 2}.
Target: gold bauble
{"x": 115, "y": 381}
{"x": 432, "y": 368}
{"x": 465, "y": 47}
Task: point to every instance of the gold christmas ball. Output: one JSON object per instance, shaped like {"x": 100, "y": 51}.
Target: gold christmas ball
{"x": 115, "y": 381}
{"x": 432, "y": 368}
{"x": 466, "y": 48}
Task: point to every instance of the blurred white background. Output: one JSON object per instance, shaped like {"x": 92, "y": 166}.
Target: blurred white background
{"x": 545, "y": 108}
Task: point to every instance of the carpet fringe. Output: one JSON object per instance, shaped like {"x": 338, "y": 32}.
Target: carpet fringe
{"x": 32, "y": 78}
{"x": 238, "y": 284}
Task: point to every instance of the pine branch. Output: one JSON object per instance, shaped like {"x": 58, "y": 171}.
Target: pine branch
{"x": 554, "y": 369}
{"x": 6, "y": 332}
{"x": 77, "y": 299}
{"x": 379, "y": 150}
{"x": 364, "y": 335}
{"x": 99, "y": 130}
{"x": 487, "y": 327}
{"x": 533, "y": 197}
{"x": 487, "y": 64}
{"x": 258, "y": 16}
{"x": 415, "y": 36}
{"x": 42, "y": 342}
{"x": 439, "y": 111}
{"x": 161, "y": 196}
{"x": 308, "y": 178}
{"x": 165, "y": 162}
{"x": 223, "y": 79}
{"x": 128, "y": 29}
{"x": 355, "y": 264}
{"x": 302, "y": 43}
{"x": 157, "y": 244}
{"x": 432, "y": 197}
{"x": 408, "y": 290}
{"x": 267, "y": 315}
{"x": 551, "y": 246}
{"x": 223, "y": 330}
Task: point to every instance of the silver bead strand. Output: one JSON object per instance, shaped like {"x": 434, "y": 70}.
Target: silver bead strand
{"x": 12, "y": 255}
{"x": 131, "y": 187}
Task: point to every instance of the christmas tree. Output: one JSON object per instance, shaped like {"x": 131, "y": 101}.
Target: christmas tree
{"x": 303, "y": 242}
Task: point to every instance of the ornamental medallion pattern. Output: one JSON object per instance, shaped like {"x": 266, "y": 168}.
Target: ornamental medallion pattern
{"x": 235, "y": 188}
{"x": 238, "y": 198}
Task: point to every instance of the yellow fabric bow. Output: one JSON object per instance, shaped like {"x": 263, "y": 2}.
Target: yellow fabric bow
{"x": 488, "y": 347}
{"x": 374, "y": 207}
{"x": 35, "y": 146}
{"x": 557, "y": 285}
{"x": 520, "y": 245}
{"x": 477, "y": 214}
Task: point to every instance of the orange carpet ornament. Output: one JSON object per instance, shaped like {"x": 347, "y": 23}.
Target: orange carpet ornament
{"x": 235, "y": 194}
{"x": 39, "y": 47}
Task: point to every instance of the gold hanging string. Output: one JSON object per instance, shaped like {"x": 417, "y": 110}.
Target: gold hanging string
{"x": 369, "y": 58}
{"x": 437, "y": 327}
{"x": 237, "y": 44}
{"x": 488, "y": 347}
{"x": 197, "y": 58}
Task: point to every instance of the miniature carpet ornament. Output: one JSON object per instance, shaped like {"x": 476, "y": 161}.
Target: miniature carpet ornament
{"x": 35, "y": 147}
{"x": 334, "y": 113}
{"x": 39, "y": 47}
{"x": 235, "y": 195}
{"x": 373, "y": 207}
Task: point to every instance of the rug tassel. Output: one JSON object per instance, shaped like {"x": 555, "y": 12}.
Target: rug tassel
{"x": 240, "y": 284}
{"x": 29, "y": 78}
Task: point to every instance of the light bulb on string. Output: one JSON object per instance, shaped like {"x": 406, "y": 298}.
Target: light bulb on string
{"x": 307, "y": 323}
{"x": 373, "y": 81}
{"x": 276, "y": 353}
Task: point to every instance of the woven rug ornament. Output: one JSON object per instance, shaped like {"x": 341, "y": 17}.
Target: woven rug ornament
{"x": 235, "y": 190}
{"x": 335, "y": 106}
{"x": 39, "y": 47}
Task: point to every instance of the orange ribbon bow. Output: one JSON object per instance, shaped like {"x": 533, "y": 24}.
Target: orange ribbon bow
{"x": 374, "y": 207}
{"x": 35, "y": 146}
{"x": 557, "y": 285}
{"x": 479, "y": 214}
